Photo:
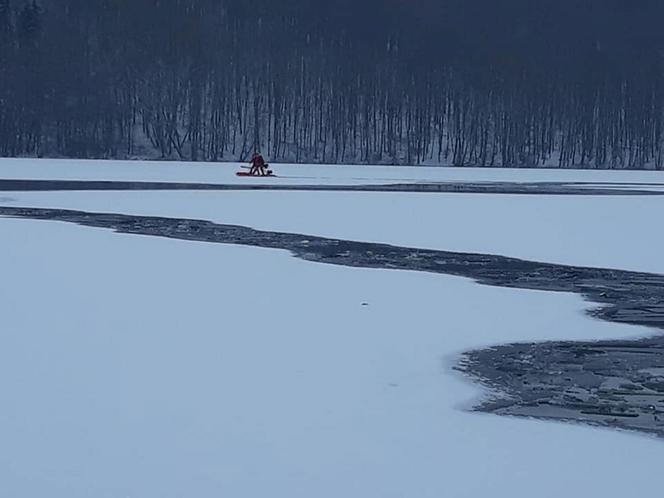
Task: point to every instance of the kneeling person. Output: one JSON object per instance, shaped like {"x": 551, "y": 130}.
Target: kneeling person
{"x": 258, "y": 165}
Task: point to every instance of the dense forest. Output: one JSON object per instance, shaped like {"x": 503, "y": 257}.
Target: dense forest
{"x": 464, "y": 82}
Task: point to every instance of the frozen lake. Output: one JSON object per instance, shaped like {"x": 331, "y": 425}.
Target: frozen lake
{"x": 68, "y": 169}
{"x": 137, "y": 366}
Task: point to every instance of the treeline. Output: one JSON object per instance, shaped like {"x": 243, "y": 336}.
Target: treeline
{"x": 464, "y": 82}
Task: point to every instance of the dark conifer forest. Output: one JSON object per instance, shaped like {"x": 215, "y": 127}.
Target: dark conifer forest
{"x": 523, "y": 83}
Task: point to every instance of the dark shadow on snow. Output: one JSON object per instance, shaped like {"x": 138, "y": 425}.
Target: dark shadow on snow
{"x": 513, "y": 188}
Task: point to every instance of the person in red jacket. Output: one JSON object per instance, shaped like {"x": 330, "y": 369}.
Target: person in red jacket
{"x": 258, "y": 165}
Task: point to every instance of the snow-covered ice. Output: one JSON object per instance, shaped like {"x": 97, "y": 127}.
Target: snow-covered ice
{"x": 134, "y": 366}
{"x": 68, "y": 169}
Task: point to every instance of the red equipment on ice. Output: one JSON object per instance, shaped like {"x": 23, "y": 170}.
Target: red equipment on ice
{"x": 269, "y": 173}
{"x": 258, "y": 167}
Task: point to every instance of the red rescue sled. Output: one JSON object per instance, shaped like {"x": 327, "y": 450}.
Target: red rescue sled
{"x": 270, "y": 173}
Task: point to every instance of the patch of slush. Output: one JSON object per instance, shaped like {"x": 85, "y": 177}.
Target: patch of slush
{"x": 603, "y": 232}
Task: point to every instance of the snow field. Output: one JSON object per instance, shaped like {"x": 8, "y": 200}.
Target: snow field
{"x": 70, "y": 169}
{"x": 134, "y": 366}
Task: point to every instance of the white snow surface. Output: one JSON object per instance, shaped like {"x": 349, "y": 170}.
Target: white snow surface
{"x": 134, "y": 366}
{"x": 293, "y": 174}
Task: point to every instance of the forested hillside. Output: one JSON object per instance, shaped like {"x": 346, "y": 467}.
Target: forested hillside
{"x": 464, "y": 82}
